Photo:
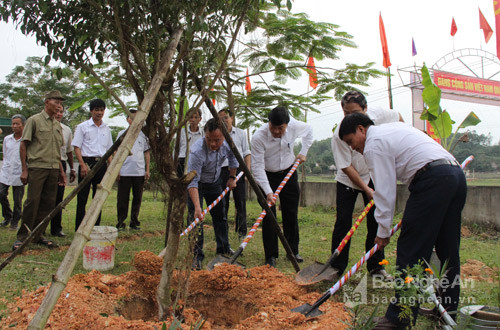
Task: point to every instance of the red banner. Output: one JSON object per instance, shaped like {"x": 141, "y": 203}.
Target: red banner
{"x": 466, "y": 84}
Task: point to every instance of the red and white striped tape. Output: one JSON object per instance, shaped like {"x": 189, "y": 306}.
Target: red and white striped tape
{"x": 209, "y": 207}
{"x": 263, "y": 214}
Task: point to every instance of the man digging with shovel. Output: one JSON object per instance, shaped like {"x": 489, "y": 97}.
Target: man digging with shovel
{"x": 353, "y": 178}
{"x": 206, "y": 158}
{"x": 432, "y": 215}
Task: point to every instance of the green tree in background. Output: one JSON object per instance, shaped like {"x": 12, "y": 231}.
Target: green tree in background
{"x": 25, "y": 88}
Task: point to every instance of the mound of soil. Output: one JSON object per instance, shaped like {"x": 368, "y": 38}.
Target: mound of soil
{"x": 227, "y": 297}
{"x": 477, "y": 270}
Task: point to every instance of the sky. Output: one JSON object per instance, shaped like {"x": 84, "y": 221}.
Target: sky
{"x": 428, "y": 22}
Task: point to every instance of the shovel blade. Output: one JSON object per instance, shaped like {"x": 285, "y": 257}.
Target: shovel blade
{"x": 219, "y": 260}
{"x": 313, "y": 274}
{"x": 307, "y": 310}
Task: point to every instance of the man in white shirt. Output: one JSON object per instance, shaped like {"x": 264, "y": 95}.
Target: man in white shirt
{"x": 432, "y": 216}
{"x": 10, "y": 175}
{"x": 189, "y": 136}
{"x": 272, "y": 158}
{"x": 353, "y": 178}
{"x": 66, "y": 159}
{"x": 239, "y": 193}
{"x": 133, "y": 174}
{"x": 91, "y": 141}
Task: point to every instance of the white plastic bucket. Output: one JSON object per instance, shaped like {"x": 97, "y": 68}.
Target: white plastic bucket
{"x": 99, "y": 252}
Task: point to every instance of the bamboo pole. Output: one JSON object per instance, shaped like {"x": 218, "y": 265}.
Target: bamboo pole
{"x": 60, "y": 279}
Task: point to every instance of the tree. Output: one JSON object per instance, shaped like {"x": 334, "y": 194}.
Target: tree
{"x": 278, "y": 54}
{"x": 169, "y": 53}
{"x": 27, "y": 85}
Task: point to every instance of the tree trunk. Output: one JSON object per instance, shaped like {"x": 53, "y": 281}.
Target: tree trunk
{"x": 163, "y": 295}
{"x": 66, "y": 267}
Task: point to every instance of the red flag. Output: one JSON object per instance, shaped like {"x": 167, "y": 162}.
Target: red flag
{"x": 383, "y": 40}
{"x": 496, "y": 9}
{"x": 313, "y": 76}
{"x": 453, "y": 27}
{"x": 483, "y": 24}
{"x": 213, "y": 100}
{"x": 248, "y": 86}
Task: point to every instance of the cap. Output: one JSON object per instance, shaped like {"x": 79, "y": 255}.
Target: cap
{"x": 54, "y": 95}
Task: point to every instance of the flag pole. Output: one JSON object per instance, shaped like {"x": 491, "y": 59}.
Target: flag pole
{"x": 389, "y": 88}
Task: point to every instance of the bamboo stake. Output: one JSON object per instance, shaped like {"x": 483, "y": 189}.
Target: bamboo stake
{"x": 60, "y": 279}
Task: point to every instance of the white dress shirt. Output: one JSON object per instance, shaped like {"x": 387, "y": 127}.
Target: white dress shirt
{"x": 10, "y": 175}
{"x": 396, "y": 151}
{"x": 240, "y": 139}
{"x": 276, "y": 154}
{"x": 67, "y": 139}
{"x": 344, "y": 156}
{"x": 192, "y": 137}
{"x": 92, "y": 140}
{"x": 135, "y": 164}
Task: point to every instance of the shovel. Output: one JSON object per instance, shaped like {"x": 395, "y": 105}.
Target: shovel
{"x": 312, "y": 310}
{"x": 220, "y": 259}
{"x": 318, "y": 272}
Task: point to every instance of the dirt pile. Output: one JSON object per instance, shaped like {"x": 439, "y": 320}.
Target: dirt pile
{"x": 228, "y": 297}
{"x": 479, "y": 271}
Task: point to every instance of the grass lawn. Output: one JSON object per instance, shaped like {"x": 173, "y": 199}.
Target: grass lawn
{"x": 35, "y": 267}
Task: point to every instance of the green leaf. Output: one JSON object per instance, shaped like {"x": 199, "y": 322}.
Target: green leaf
{"x": 59, "y": 73}
{"x": 443, "y": 125}
{"x": 100, "y": 57}
{"x": 77, "y": 105}
{"x": 289, "y": 5}
{"x": 47, "y": 60}
{"x": 431, "y": 93}
{"x": 471, "y": 120}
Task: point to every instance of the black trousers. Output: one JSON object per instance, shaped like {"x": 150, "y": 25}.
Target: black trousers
{"x": 289, "y": 199}
{"x": 136, "y": 183}
{"x": 180, "y": 166}
{"x": 210, "y": 192}
{"x": 83, "y": 195}
{"x": 432, "y": 218}
{"x": 346, "y": 199}
{"x": 10, "y": 216}
{"x": 240, "y": 202}
{"x": 56, "y": 221}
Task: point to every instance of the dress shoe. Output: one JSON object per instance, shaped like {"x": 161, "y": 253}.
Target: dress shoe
{"x": 59, "y": 234}
{"x": 299, "y": 258}
{"x": 5, "y": 223}
{"x": 271, "y": 262}
{"x": 121, "y": 226}
{"x": 382, "y": 323}
{"x": 382, "y": 274}
{"x": 196, "y": 264}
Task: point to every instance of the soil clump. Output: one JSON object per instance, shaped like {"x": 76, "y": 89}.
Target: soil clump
{"x": 227, "y": 297}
